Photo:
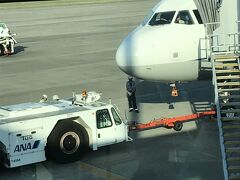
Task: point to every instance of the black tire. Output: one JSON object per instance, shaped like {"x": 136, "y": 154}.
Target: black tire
{"x": 178, "y": 126}
{"x": 67, "y": 142}
{"x": 1, "y": 50}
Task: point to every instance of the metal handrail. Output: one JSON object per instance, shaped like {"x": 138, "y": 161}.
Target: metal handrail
{"x": 235, "y": 45}
{"x": 221, "y": 139}
{"x": 210, "y": 37}
{"x": 207, "y": 38}
{"x": 238, "y": 60}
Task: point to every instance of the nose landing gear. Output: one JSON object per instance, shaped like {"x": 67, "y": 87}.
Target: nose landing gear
{"x": 174, "y": 90}
{"x": 174, "y": 93}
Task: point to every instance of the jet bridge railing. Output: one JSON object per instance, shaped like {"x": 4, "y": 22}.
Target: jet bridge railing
{"x": 231, "y": 47}
{"x": 221, "y": 42}
{"x": 221, "y": 137}
{"x": 208, "y": 37}
{"x": 238, "y": 60}
{"x": 204, "y": 48}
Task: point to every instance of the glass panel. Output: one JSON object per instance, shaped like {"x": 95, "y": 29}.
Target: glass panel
{"x": 198, "y": 17}
{"x": 162, "y": 18}
{"x": 103, "y": 119}
{"x": 184, "y": 17}
{"x": 116, "y": 118}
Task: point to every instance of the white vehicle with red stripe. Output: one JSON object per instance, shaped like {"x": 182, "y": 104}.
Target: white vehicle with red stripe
{"x": 61, "y": 129}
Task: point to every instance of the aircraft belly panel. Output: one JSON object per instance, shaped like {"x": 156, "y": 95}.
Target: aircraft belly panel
{"x": 178, "y": 71}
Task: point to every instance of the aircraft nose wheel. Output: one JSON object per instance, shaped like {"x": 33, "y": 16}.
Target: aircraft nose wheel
{"x": 174, "y": 93}
{"x": 171, "y": 106}
{"x": 174, "y": 90}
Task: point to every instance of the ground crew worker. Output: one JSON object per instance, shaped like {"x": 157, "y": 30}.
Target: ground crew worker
{"x": 131, "y": 89}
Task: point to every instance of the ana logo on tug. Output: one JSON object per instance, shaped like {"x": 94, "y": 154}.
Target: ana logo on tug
{"x": 26, "y": 146}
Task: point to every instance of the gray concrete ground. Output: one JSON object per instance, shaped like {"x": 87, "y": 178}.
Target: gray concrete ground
{"x": 71, "y": 48}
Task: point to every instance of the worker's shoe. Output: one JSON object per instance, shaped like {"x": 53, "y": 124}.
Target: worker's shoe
{"x": 136, "y": 110}
{"x": 130, "y": 109}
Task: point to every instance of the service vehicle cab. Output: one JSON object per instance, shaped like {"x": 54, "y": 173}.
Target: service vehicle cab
{"x": 61, "y": 129}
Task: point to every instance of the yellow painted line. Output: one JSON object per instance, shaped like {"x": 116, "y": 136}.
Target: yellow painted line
{"x": 102, "y": 173}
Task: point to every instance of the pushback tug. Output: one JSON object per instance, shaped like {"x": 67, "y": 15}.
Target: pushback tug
{"x": 63, "y": 129}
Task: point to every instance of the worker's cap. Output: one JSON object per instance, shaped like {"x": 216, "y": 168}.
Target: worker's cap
{"x": 130, "y": 77}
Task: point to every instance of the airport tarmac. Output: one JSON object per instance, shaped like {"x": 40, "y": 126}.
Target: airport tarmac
{"x": 72, "y": 48}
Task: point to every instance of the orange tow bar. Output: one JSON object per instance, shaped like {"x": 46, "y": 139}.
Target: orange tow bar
{"x": 176, "y": 123}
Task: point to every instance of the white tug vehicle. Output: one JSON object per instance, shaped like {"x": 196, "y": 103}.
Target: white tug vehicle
{"x": 61, "y": 129}
{"x": 7, "y": 40}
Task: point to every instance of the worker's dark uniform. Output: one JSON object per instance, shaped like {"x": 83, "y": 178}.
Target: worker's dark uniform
{"x": 131, "y": 89}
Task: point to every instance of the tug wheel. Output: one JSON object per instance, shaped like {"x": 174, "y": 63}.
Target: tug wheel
{"x": 178, "y": 126}
{"x": 67, "y": 142}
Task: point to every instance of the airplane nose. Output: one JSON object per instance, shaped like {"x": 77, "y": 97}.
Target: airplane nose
{"x": 122, "y": 56}
{"x": 127, "y": 55}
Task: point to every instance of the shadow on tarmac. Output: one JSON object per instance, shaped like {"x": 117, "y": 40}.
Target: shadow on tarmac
{"x": 19, "y": 49}
{"x": 196, "y": 92}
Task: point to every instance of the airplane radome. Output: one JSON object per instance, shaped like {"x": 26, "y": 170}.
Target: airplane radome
{"x": 167, "y": 46}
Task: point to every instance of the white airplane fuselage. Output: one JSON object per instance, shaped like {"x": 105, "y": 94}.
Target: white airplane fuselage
{"x": 164, "y": 50}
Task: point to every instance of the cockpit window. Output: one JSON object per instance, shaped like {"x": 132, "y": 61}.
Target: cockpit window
{"x": 162, "y": 18}
{"x": 146, "y": 19}
{"x": 184, "y": 17}
{"x": 198, "y": 17}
